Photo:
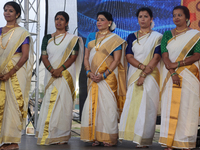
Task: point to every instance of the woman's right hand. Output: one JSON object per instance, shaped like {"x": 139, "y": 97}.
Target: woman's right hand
{"x": 176, "y": 79}
{"x": 92, "y": 76}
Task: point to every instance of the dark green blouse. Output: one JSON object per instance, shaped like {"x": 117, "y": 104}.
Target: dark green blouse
{"x": 45, "y": 43}
{"x": 168, "y": 35}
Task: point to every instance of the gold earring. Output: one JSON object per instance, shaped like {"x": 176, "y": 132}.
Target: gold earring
{"x": 16, "y": 17}
{"x": 109, "y": 25}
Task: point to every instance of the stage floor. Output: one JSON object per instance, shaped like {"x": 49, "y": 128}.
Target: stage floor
{"x": 28, "y": 142}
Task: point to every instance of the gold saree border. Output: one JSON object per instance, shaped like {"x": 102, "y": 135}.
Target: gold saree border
{"x": 2, "y": 101}
{"x": 53, "y": 97}
{"x": 49, "y": 141}
{"x": 178, "y": 144}
{"x": 100, "y": 136}
{"x": 68, "y": 51}
{"x": 8, "y": 139}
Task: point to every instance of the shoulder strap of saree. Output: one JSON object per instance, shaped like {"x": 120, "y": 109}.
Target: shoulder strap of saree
{"x": 146, "y": 61}
{"x": 65, "y": 56}
{"x": 105, "y": 50}
{"x": 17, "y": 39}
{"x": 181, "y": 56}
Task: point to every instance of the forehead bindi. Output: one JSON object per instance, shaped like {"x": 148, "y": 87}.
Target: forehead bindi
{"x": 101, "y": 17}
{"x": 8, "y": 7}
{"x": 141, "y": 13}
{"x": 178, "y": 11}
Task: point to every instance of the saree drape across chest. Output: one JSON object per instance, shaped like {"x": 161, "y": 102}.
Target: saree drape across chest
{"x": 14, "y": 93}
{"x": 139, "y": 114}
{"x": 54, "y": 123}
{"x": 180, "y": 104}
{"x": 100, "y": 112}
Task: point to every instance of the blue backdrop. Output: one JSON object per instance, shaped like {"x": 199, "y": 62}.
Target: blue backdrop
{"x": 123, "y": 12}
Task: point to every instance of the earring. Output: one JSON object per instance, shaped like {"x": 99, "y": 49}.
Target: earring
{"x": 16, "y": 17}
{"x": 109, "y": 25}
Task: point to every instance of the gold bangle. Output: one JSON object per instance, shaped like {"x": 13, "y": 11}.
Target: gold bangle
{"x": 102, "y": 76}
{"x": 184, "y": 62}
{"x": 16, "y": 67}
{"x": 143, "y": 74}
{"x": 88, "y": 75}
{"x": 139, "y": 65}
{"x": 87, "y": 67}
{"x": 144, "y": 68}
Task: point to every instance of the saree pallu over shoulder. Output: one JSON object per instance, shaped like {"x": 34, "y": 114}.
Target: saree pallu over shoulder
{"x": 100, "y": 112}
{"x": 139, "y": 114}
{"x": 14, "y": 103}
{"x": 54, "y": 123}
{"x": 181, "y": 111}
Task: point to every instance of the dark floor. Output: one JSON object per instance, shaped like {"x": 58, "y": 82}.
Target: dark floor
{"x": 28, "y": 142}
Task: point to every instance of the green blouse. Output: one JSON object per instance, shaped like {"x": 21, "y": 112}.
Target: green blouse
{"x": 168, "y": 35}
{"x": 45, "y": 43}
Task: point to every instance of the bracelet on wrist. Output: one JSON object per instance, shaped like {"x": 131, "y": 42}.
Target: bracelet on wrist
{"x": 173, "y": 74}
{"x": 109, "y": 71}
{"x": 88, "y": 75}
{"x": 143, "y": 74}
{"x": 139, "y": 65}
{"x": 16, "y": 67}
{"x": 48, "y": 66}
{"x": 184, "y": 62}
{"x": 64, "y": 67}
{"x": 87, "y": 72}
{"x": 104, "y": 75}
{"x": 178, "y": 64}
{"x": 87, "y": 67}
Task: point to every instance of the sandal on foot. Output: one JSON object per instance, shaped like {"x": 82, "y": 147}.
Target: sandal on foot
{"x": 96, "y": 143}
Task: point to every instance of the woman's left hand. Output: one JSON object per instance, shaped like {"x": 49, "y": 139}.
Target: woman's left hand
{"x": 56, "y": 73}
{"x": 173, "y": 65}
{"x": 98, "y": 78}
{"x": 140, "y": 81}
{"x": 5, "y": 77}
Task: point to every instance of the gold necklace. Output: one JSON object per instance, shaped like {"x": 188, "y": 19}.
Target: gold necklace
{"x": 60, "y": 41}
{"x": 97, "y": 47}
{"x": 143, "y": 32}
{"x": 181, "y": 30}
{"x": 106, "y": 32}
{"x": 10, "y": 26}
{"x": 1, "y": 40}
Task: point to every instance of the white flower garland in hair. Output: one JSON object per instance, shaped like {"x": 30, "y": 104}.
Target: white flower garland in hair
{"x": 188, "y": 23}
{"x": 19, "y": 20}
{"x": 152, "y": 24}
{"x": 113, "y": 26}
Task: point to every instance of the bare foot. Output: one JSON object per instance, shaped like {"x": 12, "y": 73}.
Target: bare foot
{"x": 96, "y": 143}
{"x": 12, "y": 146}
{"x": 142, "y": 146}
{"x": 3, "y": 146}
{"x": 107, "y": 144}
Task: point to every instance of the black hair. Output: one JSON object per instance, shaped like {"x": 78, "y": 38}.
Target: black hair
{"x": 15, "y": 5}
{"x": 185, "y": 11}
{"x": 108, "y": 16}
{"x": 65, "y": 15}
{"x": 145, "y": 9}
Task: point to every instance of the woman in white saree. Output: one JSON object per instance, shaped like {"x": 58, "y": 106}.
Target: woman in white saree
{"x": 104, "y": 63}
{"x": 180, "y": 49}
{"x": 143, "y": 52}
{"x": 16, "y": 62}
{"x": 62, "y": 55}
